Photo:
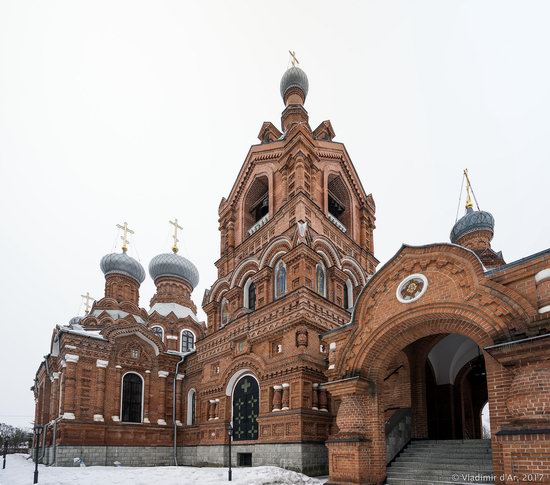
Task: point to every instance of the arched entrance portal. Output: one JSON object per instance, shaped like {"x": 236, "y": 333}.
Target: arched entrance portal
{"x": 246, "y": 405}
{"x": 434, "y": 388}
{"x": 436, "y": 300}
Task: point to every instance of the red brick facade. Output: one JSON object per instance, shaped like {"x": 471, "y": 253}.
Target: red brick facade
{"x": 296, "y": 257}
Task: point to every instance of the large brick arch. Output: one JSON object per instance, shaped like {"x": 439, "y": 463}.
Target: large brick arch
{"x": 459, "y": 299}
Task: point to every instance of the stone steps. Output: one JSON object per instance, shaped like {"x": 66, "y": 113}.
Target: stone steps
{"x": 430, "y": 462}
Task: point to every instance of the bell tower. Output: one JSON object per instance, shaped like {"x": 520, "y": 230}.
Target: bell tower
{"x": 297, "y": 207}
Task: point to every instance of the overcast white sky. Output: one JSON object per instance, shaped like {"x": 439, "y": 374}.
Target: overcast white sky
{"x": 115, "y": 111}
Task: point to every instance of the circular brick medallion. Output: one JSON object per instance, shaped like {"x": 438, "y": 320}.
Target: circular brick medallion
{"x": 412, "y": 288}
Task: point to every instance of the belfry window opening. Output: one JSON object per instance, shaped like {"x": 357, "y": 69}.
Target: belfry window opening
{"x": 338, "y": 203}
{"x": 256, "y": 205}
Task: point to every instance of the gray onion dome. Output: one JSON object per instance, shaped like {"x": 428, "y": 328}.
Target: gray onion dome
{"x": 472, "y": 221}
{"x": 171, "y": 264}
{"x": 294, "y": 77}
{"x": 121, "y": 263}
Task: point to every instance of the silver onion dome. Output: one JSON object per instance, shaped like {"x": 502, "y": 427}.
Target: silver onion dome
{"x": 294, "y": 77}
{"x": 472, "y": 221}
{"x": 121, "y": 263}
{"x": 172, "y": 264}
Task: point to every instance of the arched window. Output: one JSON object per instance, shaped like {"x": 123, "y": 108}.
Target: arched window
{"x": 321, "y": 279}
{"x": 132, "y": 398}
{"x": 191, "y": 407}
{"x": 187, "y": 340}
{"x": 158, "y": 331}
{"x": 224, "y": 313}
{"x": 338, "y": 202}
{"x": 250, "y": 294}
{"x": 280, "y": 280}
{"x": 256, "y": 205}
{"x": 348, "y": 295}
{"x": 246, "y": 405}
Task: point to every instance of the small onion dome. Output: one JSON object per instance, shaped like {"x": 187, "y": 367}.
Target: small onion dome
{"x": 294, "y": 77}
{"x": 172, "y": 264}
{"x": 75, "y": 321}
{"x": 121, "y": 263}
{"x": 472, "y": 221}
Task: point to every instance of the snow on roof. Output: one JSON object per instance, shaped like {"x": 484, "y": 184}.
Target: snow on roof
{"x": 117, "y": 314}
{"x": 180, "y": 311}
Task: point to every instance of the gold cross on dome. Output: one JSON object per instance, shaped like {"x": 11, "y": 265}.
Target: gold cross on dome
{"x": 87, "y": 298}
{"x": 175, "y": 236}
{"x": 293, "y": 58}
{"x": 469, "y": 202}
{"x": 126, "y": 230}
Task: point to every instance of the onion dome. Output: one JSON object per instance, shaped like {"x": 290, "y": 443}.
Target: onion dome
{"x": 294, "y": 77}
{"x": 472, "y": 221}
{"x": 121, "y": 263}
{"x": 176, "y": 266}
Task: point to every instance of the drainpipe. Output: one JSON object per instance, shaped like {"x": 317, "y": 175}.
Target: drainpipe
{"x": 174, "y": 409}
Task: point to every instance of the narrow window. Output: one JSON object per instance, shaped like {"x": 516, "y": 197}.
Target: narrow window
{"x": 224, "y": 313}
{"x": 348, "y": 295}
{"x": 191, "y": 407}
{"x": 280, "y": 280}
{"x": 321, "y": 279}
{"x": 132, "y": 394}
{"x": 187, "y": 341}
{"x": 250, "y": 295}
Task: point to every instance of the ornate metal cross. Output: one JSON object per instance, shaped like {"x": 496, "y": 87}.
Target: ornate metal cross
{"x": 293, "y": 58}
{"x": 87, "y": 298}
{"x": 126, "y": 230}
{"x": 175, "y": 236}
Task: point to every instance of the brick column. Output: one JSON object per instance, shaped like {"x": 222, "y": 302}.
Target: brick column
{"x": 285, "y": 401}
{"x": 70, "y": 395}
{"x": 419, "y": 406}
{"x": 357, "y": 452}
{"x": 147, "y": 397}
{"x": 163, "y": 374}
{"x": 54, "y": 406}
{"x": 277, "y": 398}
{"x": 315, "y": 397}
{"x": 99, "y": 404}
{"x": 323, "y": 402}
{"x": 118, "y": 391}
{"x": 179, "y": 415}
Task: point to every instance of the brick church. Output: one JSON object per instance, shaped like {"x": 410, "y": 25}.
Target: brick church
{"x": 310, "y": 358}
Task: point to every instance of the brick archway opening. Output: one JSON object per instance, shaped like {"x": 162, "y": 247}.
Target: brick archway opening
{"x": 392, "y": 378}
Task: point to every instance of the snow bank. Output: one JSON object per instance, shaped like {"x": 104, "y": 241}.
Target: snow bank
{"x": 19, "y": 471}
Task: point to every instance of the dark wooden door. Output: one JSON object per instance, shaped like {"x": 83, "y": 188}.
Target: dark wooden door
{"x": 246, "y": 405}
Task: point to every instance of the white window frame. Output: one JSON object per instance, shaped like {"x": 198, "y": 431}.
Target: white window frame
{"x": 194, "y": 339}
{"x": 189, "y": 420}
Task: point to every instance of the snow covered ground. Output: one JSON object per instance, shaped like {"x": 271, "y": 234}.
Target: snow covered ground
{"x": 19, "y": 471}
